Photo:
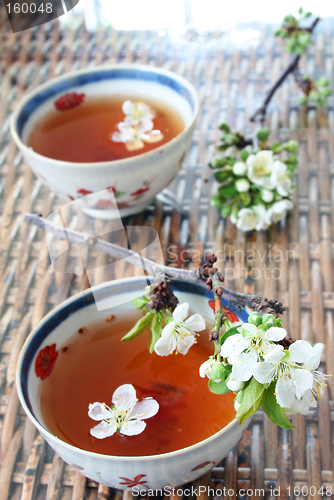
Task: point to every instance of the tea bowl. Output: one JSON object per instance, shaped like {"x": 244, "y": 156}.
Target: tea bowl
{"x": 139, "y": 178}
{"x": 145, "y": 472}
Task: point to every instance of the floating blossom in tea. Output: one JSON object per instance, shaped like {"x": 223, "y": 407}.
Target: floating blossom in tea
{"x": 125, "y": 416}
{"x": 180, "y": 333}
{"x": 137, "y": 127}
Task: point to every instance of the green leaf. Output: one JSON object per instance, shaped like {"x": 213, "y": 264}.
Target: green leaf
{"x": 156, "y": 329}
{"x": 216, "y": 201}
{"x": 139, "y": 302}
{"x": 226, "y": 210}
{"x": 228, "y": 333}
{"x": 220, "y": 388}
{"x": 224, "y": 127}
{"x": 222, "y": 175}
{"x": 251, "y": 400}
{"x": 228, "y": 190}
{"x": 169, "y": 319}
{"x": 139, "y": 327}
{"x": 275, "y": 146}
{"x": 273, "y": 409}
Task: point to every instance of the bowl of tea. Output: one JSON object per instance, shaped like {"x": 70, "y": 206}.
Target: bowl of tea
{"x": 120, "y": 414}
{"x": 111, "y": 137}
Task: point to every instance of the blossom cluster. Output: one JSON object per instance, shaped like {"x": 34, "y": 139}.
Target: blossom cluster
{"x": 137, "y": 127}
{"x": 264, "y": 368}
{"x": 257, "y": 185}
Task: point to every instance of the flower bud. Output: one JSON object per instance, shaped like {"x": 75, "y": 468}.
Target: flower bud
{"x": 269, "y": 320}
{"x": 242, "y": 185}
{"x": 217, "y": 372}
{"x": 267, "y": 195}
{"x": 255, "y": 318}
{"x": 291, "y": 146}
{"x": 234, "y": 385}
{"x": 239, "y": 168}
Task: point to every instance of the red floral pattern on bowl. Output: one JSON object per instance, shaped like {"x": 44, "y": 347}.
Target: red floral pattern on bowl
{"x": 69, "y": 101}
{"x": 45, "y": 361}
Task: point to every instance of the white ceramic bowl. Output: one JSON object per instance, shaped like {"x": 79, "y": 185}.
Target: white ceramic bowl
{"x": 156, "y": 471}
{"x": 140, "y": 177}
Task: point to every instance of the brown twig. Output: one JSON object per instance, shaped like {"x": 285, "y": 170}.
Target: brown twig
{"x": 191, "y": 276}
{"x": 260, "y": 113}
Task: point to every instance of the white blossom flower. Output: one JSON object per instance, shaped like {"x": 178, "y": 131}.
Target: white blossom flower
{"x": 266, "y": 195}
{"x": 134, "y": 137}
{"x": 292, "y": 380}
{"x": 125, "y": 416}
{"x": 252, "y": 218}
{"x": 242, "y": 185}
{"x": 248, "y": 347}
{"x": 239, "y": 168}
{"x": 180, "y": 333}
{"x": 136, "y": 112}
{"x": 279, "y": 210}
{"x": 281, "y": 179}
{"x": 310, "y": 396}
{"x": 260, "y": 168}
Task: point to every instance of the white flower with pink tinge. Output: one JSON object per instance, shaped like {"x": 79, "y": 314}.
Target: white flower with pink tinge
{"x": 125, "y": 416}
{"x": 136, "y": 112}
{"x": 134, "y": 137}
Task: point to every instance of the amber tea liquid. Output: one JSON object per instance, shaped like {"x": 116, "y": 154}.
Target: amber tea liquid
{"x": 82, "y": 134}
{"x": 93, "y": 364}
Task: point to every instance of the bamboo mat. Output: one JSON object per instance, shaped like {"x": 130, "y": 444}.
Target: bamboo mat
{"x": 291, "y": 262}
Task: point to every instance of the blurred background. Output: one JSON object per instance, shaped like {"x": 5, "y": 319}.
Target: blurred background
{"x": 180, "y": 16}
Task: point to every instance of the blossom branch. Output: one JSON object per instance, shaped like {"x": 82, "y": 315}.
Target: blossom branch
{"x": 260, "y": 113}
{"x": 194, "y": 276}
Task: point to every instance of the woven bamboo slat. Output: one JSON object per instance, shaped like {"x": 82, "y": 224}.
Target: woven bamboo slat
{"x": 292, "y": 262}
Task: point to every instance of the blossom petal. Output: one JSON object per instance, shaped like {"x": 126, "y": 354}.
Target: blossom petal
{"x": 185, "y": 344}
{"x": 234, "y": 385}
{"x": 103, "y": 430}
{"x": 303, "y": 381}
{"x": 146, "y": 408}
{"x": 124, "y": 397}
{"x": 145, "y": 125}
{"x": 272, "y": 349}
{"x": 152, "y": 137}
{"x": 275, "y": 334}
{"x": 128, "y": 107}
{"x": 285, "y": 392}
{"x": 264, "y": 372}
{"x": 196, "y": 323}
{"x": 300, "y": 351}
{"x": 313, "y": 361}
{"x": 205, "y": 369}
{"x": 133, "y": 144}
{"x": 133, "y": 428}
{"x": 243, "y": 368}
{"x": 275, "y": 356}
{"x": 233, "y": 345}
{"x": 181, "y": 312}
{"x": 118, "y": 137}
{"x": 97, "y": 411}
{"x": 248, "y": 329}
{"x": 166, "y": 344}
